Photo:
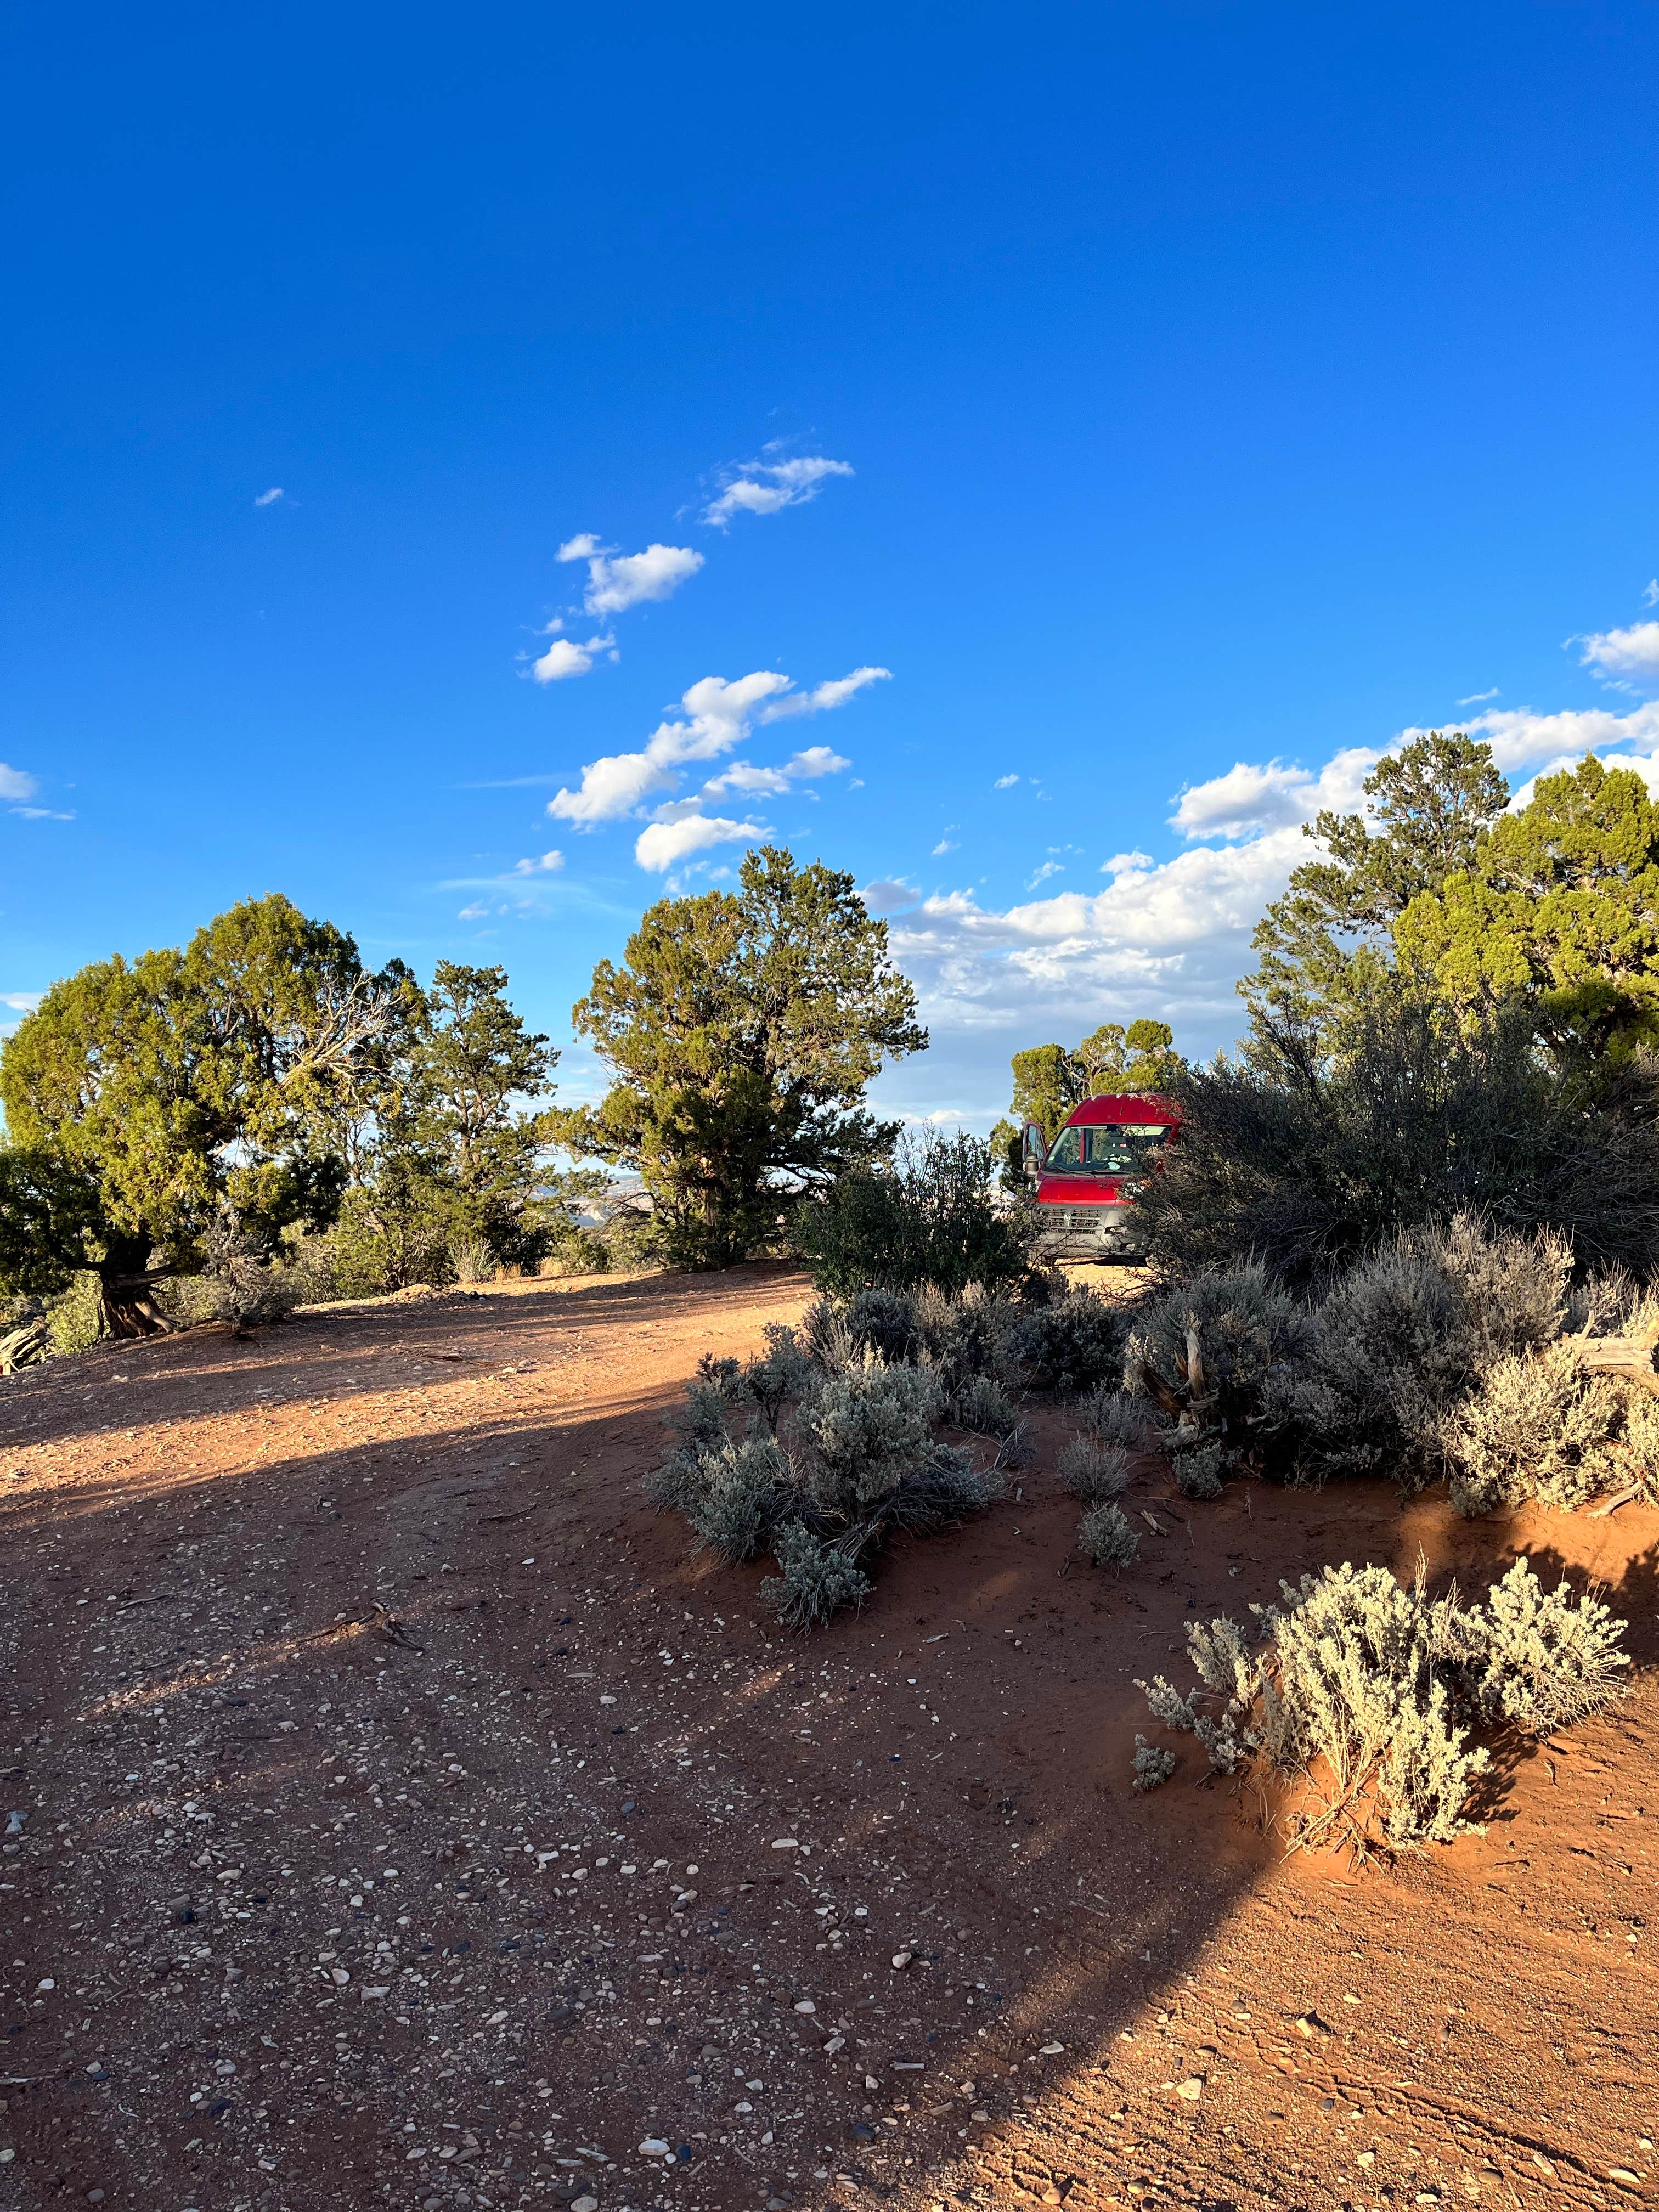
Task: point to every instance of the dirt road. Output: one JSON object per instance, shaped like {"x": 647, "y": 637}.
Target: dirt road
{"x": 403, "y": 1817}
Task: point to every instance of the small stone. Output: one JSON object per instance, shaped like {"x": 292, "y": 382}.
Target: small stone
{"x": 806, "y": 2005}
{"x": 979, "y": 2112}
{"x": 1192, "y": 2089}
{"x": 785, "y": 1843}
{"x": 1052, "y": 2195}
{"x": 47, "y": 1984}
{"x": 653, "y": 2146}
{"x": 1623, "y": 2173}
{"x": 95, "y": 2196}
{"x": 586, "y": 2204}
{"x": 338, "y": 1976}
{"x": 902, "y": 1958}
{"x": 1051, "y": 2050}
{"x": 835, "y": 2044}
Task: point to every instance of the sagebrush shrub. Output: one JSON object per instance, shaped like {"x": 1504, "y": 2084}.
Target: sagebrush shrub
{"x": 1241, "y": 1325}
{"x": 1093, "y": 1472}
{"x": 865, "y": 1429}
{"x": 782, "y": 1372}
{"x": 1106, "y": 1538}
{"x": 1118, "y": 1417}
{"x": 1153, "y": 1764}
{"x": 1538, "y": 1425}
{"x": 744, "y": 1492}
{"x": 1372, "y": 1691}
{"x": 1200, "y": 1473}
{"x": 816, "y": 1579}
{"x": 1073, "y": 1344}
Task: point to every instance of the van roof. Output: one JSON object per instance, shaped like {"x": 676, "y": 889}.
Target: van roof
{"x": 1122, "y": 1106}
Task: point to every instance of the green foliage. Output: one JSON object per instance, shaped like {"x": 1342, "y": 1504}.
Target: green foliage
{"x": 1428, "y": 813}
{"x": 1561, "y": 904}
{"x": 1406, "y": 1113}
{"x": 1153, "y": 1764}
{"x": 817, "y": 1578}
{"x": 1205, "y": 1350}
{"x": 187, "y": 1083}
{"x": 742, "y": 1031}
{"x": 75, "y": 1316}
{"x": 1375, "y": 1690}
{"x": 1538, "y": 1425}
{"x": 927, "y": 1217}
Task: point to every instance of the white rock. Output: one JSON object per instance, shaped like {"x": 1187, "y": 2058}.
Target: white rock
{"x": 806, "y": 2005}
{"x": 47, "y": 1984}
{"x": 1192, "y": 2089}
{"x": 586, "y": 2204}
{"x": 381, "y": 1990}
{"x": 1051, "y": 2050}
{"x": 785, "y": 1843}
{"x": 902, "y": 1958}
{"x": 338, "y": 1976}
{"x": 653, "y": 2146}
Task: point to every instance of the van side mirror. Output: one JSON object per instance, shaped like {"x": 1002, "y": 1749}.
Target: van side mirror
{"x": 1033, "y": 1146}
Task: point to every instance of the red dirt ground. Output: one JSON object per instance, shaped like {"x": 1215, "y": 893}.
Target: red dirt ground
{"x": 312, "y": 1909}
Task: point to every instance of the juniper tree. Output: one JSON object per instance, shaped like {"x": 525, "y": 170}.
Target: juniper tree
{"x": 741, "y": 1029}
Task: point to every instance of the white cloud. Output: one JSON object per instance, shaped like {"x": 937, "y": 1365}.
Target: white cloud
{"x": 1651, "y": 596}
{"x": 16, "y": 783}
{"x": 1251, "y": 799}
{"x": 472, "y": 914}
{"x": 564, "y": 657}
{"x": 1518, "y": 735}
{"x": 766, "y": 486}
{"x": 615, "y": 584}
{"x": 1627, "y": 655}
{"x": 1475, "y": 698}
{"x": 21, "y": 1002}
{"x": 717, "y": 716}
{"x": 43, "y": 814}
{"x": 660, "y": 844}
{"x": 546, "y": 866}
{"x": 890, "y": 894}
{"x": 826, "y": 696}
{"x": 1049, "y": 868}
{"x": 269, "y": 498}
{"x": 802, "y": 767}
{"x": 946, "y": 843}
{"x": 1005, "y": 783}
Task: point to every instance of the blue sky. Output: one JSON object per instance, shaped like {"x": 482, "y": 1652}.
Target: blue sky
{"x": 1214, "y": 393}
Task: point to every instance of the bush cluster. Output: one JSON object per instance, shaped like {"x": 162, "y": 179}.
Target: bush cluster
{"x": 932, "y": 1215}
{"x": 1371, "y": 1694}
{"x": 838, "y": 1452}
{"x": 1458, "y": 1353}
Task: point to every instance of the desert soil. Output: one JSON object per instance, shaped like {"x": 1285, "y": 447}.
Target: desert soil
{"x": 404, "y": 1817}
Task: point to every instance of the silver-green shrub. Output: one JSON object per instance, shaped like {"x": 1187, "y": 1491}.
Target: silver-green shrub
{"x": 1200, "y": 1473}
{"x": 743, "y": 1494}
{"x": 1118, "y": 1417}
{"x": 1153, "y": 1764}
{"x": 1242, "y": 1328}
{"x": 817, "y": 1578}
{"x": 1537, "y": 1426}
{"x": 1105, "y": 1537}
{"x": 1073, "y": 1344}
{"x": 1093, "y": 1472}
{"x": 1373, "y": 1691}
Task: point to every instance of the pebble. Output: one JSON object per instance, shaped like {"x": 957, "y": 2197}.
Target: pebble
{"x": 902, "y": 1958}
{"x": 785, "y": 1843}
{"x": 586, "y": 2204}
{"x": 1051, "y": 2050}
{"x": 1192, "y": 2089}
{"x": 653, "y": 2146}
{"x": 806, "y": 2005}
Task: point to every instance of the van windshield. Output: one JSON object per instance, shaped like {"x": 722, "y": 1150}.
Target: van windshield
{"x": 1117, "y": 1148}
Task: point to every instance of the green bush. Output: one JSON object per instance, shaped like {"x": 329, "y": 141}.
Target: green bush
{"x": 75, "y": 1316}
{"x": 931, "y": 1216}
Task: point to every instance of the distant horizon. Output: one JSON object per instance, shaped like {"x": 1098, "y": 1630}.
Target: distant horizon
{"x": 476, "y": 493}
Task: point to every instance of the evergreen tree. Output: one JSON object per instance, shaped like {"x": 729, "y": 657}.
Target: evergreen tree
{"x": 742, "y": 1028}
{"x": 1428, "y": 814}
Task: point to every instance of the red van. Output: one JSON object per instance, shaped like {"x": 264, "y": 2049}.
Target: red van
{"x": 1087, "y": 1179}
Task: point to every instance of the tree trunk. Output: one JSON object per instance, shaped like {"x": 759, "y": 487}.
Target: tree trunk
{"x": 124, "y": 1284}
